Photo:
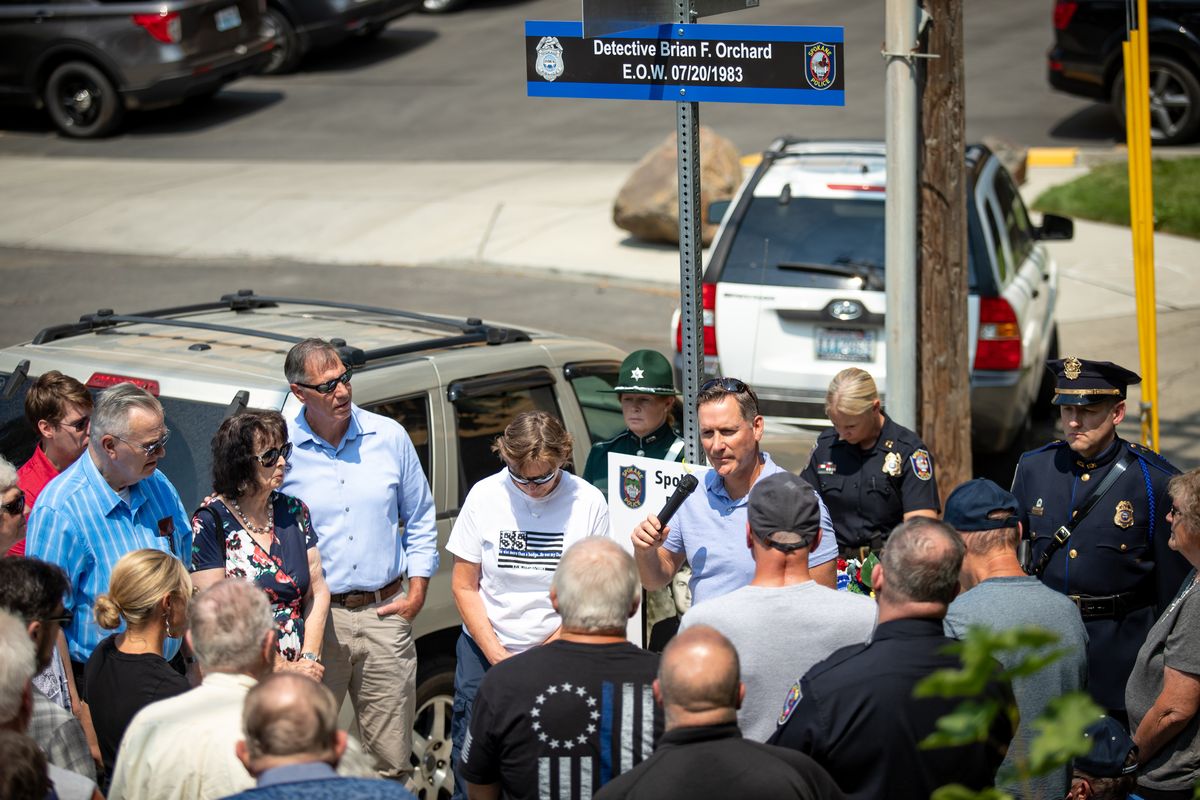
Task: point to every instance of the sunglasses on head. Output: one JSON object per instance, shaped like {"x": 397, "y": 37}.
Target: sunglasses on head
{"x": 331, "y": 384}
{"x": 79, "y": 425}
{"x": 730, "y": 385}
{"x": 17, "y": 506}
{"x": 540, "y": 480}
{"x": 269, "y": 458}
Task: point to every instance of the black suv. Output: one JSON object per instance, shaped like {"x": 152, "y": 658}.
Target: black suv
{"x": 1086, "y": 60}
{"x": 86, "y": 61}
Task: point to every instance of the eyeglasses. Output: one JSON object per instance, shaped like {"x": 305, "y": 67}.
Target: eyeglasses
{"x": 79, "y": 425}
{"x": 540, "y": 480}
{"x": 730, "y": 385}
{"x": 61, "y": 619}
{"x": 331, "y": 384}
{"x": 271, "y": 457}
{"x": 151, "y": 448}
{"x": 17, "y": 506}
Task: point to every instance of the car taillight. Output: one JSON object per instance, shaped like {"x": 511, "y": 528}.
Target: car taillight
{"x": 708, "y": 302}
{"x": 1063, "y": 11}
{"x": 999, "y": 344}
{"x": 103, "y": 380}
{"x": 165, "y": 27}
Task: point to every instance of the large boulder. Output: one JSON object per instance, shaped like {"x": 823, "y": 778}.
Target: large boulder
{"x": 648, "y": 204}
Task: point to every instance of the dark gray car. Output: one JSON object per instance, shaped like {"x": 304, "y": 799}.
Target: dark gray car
{"x": 86, "y": 62}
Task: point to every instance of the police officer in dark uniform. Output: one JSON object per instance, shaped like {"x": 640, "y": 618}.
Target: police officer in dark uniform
{"x": 871, "y": 472}
{"x": 1109, "y": 555}
{"x": 647, "y": 393}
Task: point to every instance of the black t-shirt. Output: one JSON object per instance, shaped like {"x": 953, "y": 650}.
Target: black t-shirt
{"x": 561, "y": 720}
{"x": 121, "y": 684}
{"x": 715, "y": 761}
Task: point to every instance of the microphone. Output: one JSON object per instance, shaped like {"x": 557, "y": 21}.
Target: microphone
{"x": 687, "y": 485}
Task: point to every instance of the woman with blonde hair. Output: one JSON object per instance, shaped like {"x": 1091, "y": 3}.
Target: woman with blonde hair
{"x": 511, "y": 533}
{"x": 871, "y": 472}
{"x": 148, "y": 595}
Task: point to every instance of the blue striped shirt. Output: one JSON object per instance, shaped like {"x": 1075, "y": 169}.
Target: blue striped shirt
{"x": 85, "y": 527}
{"x": 369, "y": 500}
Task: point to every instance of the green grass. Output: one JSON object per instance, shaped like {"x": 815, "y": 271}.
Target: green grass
{"x": 1103, "y": 195}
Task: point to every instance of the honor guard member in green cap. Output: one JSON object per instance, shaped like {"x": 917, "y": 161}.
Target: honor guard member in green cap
{"x": 647, "y": 393}
{"x": 1097, "y": 508}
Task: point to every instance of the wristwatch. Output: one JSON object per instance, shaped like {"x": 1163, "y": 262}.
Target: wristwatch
{"x": 310, "y": 657}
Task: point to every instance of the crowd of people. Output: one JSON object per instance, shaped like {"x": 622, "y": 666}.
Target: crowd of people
{"x": 150, "y": 653}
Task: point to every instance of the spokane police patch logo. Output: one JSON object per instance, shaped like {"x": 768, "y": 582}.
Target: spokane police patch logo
{"x": 789, "y": 703}
{"x": 819, "y": 66}
{"x": 921, "y": 464}
{"x": 633, "y": 487}
{"x": 549, "y": 62}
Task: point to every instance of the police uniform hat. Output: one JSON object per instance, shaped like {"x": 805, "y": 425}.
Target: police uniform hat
{"x": 645, "y": 372}
{"x": 1080, "y": 383}
{"x": 1109, "y": 753}
{"x": 968, "y": 508}
{"x": 783, "y": 512}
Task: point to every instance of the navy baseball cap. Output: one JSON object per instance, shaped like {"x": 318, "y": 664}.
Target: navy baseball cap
{"x": 783, "y": 512}
{"x": 1079, "y": 382}
{"x": 1109, "y": 755}
{"x": 968, "y": 507}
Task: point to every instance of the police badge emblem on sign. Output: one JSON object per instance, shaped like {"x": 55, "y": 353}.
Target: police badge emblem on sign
{"x": 819, "y": 65}
{"x": 633, "y": 487}
{"x": 549, "y": 62}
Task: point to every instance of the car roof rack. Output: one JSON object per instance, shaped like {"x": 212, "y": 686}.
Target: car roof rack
{"x": 469, "y": 331}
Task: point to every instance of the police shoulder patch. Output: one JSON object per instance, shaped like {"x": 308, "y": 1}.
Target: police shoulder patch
{"x": 789, "y": 703}
{"x": 922, "y": 464}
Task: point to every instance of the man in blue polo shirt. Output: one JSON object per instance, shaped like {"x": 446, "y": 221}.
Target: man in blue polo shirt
{"x": 373, "y": 512}
{"x": 710, "y": 526}
{"x": 111, "y": 501}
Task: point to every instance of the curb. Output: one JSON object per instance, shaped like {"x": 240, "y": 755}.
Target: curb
{"x": 1052, "y": 156}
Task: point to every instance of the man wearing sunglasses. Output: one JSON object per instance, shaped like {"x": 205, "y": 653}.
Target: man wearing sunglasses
{"x": 108, "y": 503}
{"x": 59, "y": 409}
{"x": 710, "y": 527}
{"x": 373, "y": 513}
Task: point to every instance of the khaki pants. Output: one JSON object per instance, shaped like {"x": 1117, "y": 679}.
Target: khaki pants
{"x": 375, "y": 659}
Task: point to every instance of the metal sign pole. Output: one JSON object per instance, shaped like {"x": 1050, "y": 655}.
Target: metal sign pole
{"x": 687, "y": 139}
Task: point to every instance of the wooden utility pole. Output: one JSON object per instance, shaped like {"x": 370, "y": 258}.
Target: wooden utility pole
{"x": 944, "y": 384}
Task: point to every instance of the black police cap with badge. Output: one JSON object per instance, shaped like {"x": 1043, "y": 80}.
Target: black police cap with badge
{"x": 645, "y": 372}
{"x": 1079, "y": 382}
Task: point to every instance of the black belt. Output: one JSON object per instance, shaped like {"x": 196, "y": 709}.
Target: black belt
{"x": 361, "y": 597}
{"x": 861, "y": 551}
{"x": 1113, "y": 606}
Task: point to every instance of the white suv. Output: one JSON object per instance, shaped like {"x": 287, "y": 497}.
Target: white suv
{"x": 794, "y": 288}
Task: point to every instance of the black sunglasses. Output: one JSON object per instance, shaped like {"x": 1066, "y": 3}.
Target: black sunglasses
{"x": 730, "y": 385}
{"x": 540, "y": 480}
{"x": 79, "y": 425}
{"x": 331, "y": 384}
{"x": 270, "y": 458}
{"x": 61, "y": 619}
{"x": 17, "y": 506}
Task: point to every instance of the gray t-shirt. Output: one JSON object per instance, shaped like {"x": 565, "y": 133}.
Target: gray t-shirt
{"x": 1010, "y": 602}
{"x": 780, "y": 633}
{"x": 1173, "y": 642}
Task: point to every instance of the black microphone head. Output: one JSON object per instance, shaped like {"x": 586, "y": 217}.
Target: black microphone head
{"x": 687, "y": 484}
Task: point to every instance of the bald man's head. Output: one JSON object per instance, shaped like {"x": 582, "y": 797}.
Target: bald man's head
{"x": 290, "y": 718}
{"x": 698, "y": 677}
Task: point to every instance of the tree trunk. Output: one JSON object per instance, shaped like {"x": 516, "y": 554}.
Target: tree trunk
{"x": 944, "y": 400}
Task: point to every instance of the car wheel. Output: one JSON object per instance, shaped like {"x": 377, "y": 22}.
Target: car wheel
{"x": 433, "y": 775}
{"x": 441, "y": 6}
{"x": 82, "y": 101}
{"x": 1174, "y": 101}
{"x": 286, "y": 52}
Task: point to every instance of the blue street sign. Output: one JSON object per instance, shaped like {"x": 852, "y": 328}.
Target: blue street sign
{"x": 786, "y": 64}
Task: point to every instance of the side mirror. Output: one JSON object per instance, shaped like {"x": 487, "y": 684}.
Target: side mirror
{"x": 716, "y": 211}
{"x": 1056, "y": 229}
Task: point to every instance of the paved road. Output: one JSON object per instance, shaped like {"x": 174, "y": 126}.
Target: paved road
{"x": 452, "y": 89}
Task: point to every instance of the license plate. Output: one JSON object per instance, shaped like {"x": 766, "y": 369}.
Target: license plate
{"x": 845, "y": 344}
{"x": 228, "y": 18}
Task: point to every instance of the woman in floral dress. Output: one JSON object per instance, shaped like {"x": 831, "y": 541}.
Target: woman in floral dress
{"x": 251, "y": 531}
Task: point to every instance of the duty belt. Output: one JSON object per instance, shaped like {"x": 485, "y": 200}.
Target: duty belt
{"x": 359, "y": 598}
{"x": 1112, "y": 606}
{"x": 861, "y": 551}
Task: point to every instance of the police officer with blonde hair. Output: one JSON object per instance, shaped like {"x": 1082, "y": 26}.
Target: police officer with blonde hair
{"x": 871, "y": 472}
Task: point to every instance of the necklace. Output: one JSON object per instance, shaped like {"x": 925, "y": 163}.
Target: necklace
{"x": 1182, "y": 595}
{"x": 265, "y": 530}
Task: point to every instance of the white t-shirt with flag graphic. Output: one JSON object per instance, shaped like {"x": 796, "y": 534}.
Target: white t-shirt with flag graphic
{"x": 518, "y": 540}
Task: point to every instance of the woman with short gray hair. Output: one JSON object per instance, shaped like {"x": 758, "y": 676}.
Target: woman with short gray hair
{"x": 12, "y": 512}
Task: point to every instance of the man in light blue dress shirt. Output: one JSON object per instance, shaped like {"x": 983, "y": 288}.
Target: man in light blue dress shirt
{"x": 111, "y": 501}
{"x": 373, "y": 513}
